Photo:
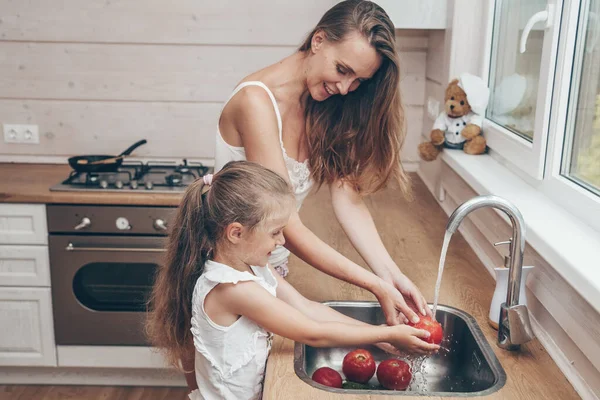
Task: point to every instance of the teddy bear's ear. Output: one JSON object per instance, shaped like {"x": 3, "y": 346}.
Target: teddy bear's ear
{"x": 453, "y": 82}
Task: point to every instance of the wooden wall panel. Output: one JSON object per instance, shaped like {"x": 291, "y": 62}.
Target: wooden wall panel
{"x": 414, "y": 118}
{"x": 237, "y": 22}
{"x": 97, "y": 76}
{"x": 148, "y": 72}
{"x": 75, "y": 127}
{"x": 128, "y": 72}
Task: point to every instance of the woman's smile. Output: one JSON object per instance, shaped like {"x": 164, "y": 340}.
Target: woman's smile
{"x": 328, "y": 90}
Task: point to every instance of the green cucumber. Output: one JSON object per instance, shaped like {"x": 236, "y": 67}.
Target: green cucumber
{"x": 355, "y": 385}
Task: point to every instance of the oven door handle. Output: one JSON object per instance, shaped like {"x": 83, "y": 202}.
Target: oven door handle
{"x": 70, "y": 247}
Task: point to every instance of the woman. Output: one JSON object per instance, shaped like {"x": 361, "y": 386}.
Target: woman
{"x": 335, "y": 106}
{"x": 331, "y": 113}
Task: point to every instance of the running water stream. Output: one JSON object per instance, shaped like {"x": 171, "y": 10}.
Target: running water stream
{"x": 438, "y": 283}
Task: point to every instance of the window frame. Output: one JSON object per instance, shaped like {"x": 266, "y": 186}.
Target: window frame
{"x": 529, "y": 157}
{"x": 579, "y": 201}
{"x": 541, "y": 167}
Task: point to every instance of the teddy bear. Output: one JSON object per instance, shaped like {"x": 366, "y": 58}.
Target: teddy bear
{"x": 459, "y": 125}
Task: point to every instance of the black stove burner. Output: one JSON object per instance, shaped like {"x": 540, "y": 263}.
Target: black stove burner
{"x": 173, "y": 179}
{"x": 138, "y": 176}
{"x": 183, "y": 168}
{"x": 91, "y": 179}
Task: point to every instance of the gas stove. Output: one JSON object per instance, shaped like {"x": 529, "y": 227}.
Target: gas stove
{"x": 137, "y": 177}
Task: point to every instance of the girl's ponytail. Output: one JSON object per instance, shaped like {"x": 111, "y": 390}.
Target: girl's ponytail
{"x": 170, "y": 304}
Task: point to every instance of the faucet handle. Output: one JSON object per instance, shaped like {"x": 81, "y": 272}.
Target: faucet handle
{"x": 519, "y": 325}
{"x": 506, "y": 258}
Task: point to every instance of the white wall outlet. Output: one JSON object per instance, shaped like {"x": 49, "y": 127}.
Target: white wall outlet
{"x": 22, "y": 134}
{"x": 433, "y": 107}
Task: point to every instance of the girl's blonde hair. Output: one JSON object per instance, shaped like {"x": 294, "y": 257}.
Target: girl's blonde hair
{"x": 358, "y": 137}
{"x": 242, "y": 192}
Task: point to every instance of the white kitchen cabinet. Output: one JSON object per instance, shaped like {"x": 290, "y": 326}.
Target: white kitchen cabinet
{"x": 27, "y": 333}
{"x": 26, "y": 323}
{"x": 24, "y": 266}
{"x": 23, "y": 224}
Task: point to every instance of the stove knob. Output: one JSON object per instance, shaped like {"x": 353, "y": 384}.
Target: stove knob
{"x": 133, "y": 184}
{"x": 85, "y": 222}
{"x": 119, "y": 184}
{"x": 103, "y": 184}
{"x": 122, "y": 224}
{"x": 149, "y": 185}
{"x": 160, "y": 224}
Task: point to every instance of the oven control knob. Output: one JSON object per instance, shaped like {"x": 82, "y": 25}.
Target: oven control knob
{"x": 123, "y": 224}
{"x": 119, "y": 184}
{"x": 160, "y": 224}
{"x": 103, "y": 184}
{"x": 149, "y": 185}
{"x": 85, "y": 222}
{"x": 133, "y": 184}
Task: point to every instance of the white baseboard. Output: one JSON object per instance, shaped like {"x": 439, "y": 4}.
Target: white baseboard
{"x": 90, "y": 376}
{"x": 110, "y": 357}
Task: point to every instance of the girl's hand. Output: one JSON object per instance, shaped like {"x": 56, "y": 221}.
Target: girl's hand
{"x": 388, "y": 348}
{"x": 408, "y": 338}
{"x": 411, "y": 293}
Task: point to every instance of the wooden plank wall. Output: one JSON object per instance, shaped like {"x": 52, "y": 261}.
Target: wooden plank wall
{"x": 96, "y": 76}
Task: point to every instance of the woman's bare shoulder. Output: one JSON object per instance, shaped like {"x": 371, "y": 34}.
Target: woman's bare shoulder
{"x": 249, "y": 109}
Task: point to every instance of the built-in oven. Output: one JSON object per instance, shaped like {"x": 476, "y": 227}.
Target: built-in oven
{"x": 103, "y": 261}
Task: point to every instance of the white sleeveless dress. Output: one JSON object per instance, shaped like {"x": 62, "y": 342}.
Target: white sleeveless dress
{"x": 230, "y": 360}
{"x": 298, "y": 172}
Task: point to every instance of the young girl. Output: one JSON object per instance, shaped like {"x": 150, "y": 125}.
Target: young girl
{"x": 218, "y": 291}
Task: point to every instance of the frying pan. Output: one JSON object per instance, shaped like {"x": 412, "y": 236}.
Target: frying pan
{"x": 102, "y": 163}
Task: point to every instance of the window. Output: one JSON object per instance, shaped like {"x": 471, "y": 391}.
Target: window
{"x": 515, "y": 74}
{"x": 524, "y": 40}
{"x": 543, "y": 118}
{"x": 581, "y": 153}
{"x": 573, "y": 167}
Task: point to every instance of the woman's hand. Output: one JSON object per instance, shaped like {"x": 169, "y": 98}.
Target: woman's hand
{"x": 394, "y": 306}
{"x": 412, "y": 295}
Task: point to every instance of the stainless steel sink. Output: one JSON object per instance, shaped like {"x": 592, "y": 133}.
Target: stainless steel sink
{"x": 466, "y": 366}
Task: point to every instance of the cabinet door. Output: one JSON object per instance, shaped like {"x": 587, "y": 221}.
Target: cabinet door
{"x": 23, "y": 224}
{"x": 24, "y": 266}
{"x": 27, "y": 333}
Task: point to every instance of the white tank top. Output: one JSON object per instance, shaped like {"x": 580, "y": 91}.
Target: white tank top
{"x": 230, "y": 360}
{"x": 298, "y": 172}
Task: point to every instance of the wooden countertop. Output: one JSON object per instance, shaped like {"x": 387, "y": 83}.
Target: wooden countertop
{"x": 30, "y": 183}
{"x": 413, "y": 233}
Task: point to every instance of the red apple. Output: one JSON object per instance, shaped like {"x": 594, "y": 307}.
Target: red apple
{"x": 328, "y": 377}
{"x": 358, "y": 366}
{"x": 434, "y": 328}
{"x": 394, "y": 374}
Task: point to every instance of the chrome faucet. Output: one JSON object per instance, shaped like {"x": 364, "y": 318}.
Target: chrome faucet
{"x": 514, "y": 327}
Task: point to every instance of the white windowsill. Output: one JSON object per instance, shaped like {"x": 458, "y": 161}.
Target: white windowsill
{"x": 569, "y": 245}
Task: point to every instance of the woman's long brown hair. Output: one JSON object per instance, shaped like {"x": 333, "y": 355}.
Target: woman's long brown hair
{"x": 243, "y": 192}
{"x": 358, "y": 137}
